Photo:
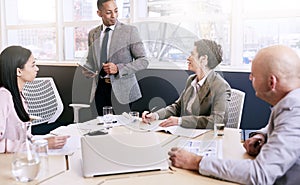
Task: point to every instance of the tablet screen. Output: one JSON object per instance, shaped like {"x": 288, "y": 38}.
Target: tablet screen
{"x": 86, "y": 68}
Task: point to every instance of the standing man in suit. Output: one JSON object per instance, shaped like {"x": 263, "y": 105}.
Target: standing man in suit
{"x": 275, "y": 76}
{"x": 116, "y": 51}
{"x": 206, "y": 94}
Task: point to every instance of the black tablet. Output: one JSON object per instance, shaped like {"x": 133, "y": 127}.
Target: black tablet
{"x": 84, "y": 67}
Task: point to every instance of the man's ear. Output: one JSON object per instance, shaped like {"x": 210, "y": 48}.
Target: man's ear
{"x": 272, "y": 82}
{"x": 19, "y": 72}
{"x": 99, "y": 13}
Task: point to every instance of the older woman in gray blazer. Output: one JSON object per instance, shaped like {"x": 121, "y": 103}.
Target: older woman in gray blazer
{"x": 206, "y": 94}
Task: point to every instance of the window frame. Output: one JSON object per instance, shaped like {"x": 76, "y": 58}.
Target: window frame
{"x": 236, "y": 19}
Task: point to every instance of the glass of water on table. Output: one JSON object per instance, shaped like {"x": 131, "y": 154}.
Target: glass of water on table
{"x": 108, "y": 116}
{"x": 135, "y": 120}
{"x": 135, "y": 116}
{"x": 219, "y": 125}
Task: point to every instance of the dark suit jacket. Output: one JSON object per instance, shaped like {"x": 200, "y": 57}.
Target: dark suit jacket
{"x": 127, "y": 51}
{"x": 213, "y": 96}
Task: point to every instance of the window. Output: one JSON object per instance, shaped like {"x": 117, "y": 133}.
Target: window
{"x": 82, "y": 10}
{"x": 32, "y": 26}
{"x": 51, "y": 34}
{"x": 22, "y": 12}
{"x": 262, "y": 33}
{"x": 79, "y": 20}
{"x": 182, "y": 23}
{"x": 57, "y": 30}
{"x": 266, "y": 25}
{"x": 41, "y": 41}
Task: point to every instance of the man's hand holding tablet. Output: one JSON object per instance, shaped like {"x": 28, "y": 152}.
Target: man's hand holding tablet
{"x": 87, "y": 71}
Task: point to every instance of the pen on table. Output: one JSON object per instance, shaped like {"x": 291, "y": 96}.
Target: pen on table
{"x": 150, "y": 112}
{"x": 42, "y": 181}
{"x": 67, "y": 162}
{"x": 146, "y": 115}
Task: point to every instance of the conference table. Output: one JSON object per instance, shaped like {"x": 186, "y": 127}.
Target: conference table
{"x": 231, "y": 148}
{"x": 57, "y": 166}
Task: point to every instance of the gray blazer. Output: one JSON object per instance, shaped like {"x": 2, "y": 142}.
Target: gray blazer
{"x": 214, "y": 95}
{"x": 127, "y": 51}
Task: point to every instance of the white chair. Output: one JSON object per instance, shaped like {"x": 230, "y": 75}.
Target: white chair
{"x": 235, "y": 108}
{"x": 44, "y": 101}
{"x": 76, "y": 108}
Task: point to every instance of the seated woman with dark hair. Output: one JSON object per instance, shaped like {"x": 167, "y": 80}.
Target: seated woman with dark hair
{"x": 206, "y": 94}
{"x": 17, "y": 66}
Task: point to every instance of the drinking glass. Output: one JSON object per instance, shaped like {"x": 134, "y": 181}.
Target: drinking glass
{"x": 219, "y": 124}
{"x": 42, "y": 150}
{"x": 135, "y": 116}
{"x": 107, "y": 116}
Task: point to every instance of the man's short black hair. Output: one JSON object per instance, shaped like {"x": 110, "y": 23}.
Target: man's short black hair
{"x": 100, "y": 2}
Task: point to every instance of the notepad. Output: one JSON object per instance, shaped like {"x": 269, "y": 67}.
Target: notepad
{"x": 180, "y": 131}
{"x": 129, "y": 122}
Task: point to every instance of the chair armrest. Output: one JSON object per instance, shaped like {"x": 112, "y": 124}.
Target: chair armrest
{"x": 76, "y": 108}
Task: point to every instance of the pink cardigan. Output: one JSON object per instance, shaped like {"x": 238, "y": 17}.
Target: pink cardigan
{"x": 10, "y": 124}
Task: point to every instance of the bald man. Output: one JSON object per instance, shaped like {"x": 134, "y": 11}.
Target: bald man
{"x": 275, "y": 76}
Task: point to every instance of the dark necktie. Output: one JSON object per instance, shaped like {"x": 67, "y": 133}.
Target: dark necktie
{"x": 103, "y": 54}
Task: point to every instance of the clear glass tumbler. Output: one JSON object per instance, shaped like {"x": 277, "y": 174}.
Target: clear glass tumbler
{"x": 219, "y": 124}
{"x": 42, "y": 150}
{"x": 108, "y": 116}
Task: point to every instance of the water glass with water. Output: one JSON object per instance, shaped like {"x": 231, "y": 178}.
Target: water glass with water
{"x": 42, "y": 150}
{"x": 219, "y": 125}
{"x": 135, "y": 116}
{"x": 108, "y": 116}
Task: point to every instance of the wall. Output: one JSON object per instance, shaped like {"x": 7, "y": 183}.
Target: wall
{"x": 159, "y": 87}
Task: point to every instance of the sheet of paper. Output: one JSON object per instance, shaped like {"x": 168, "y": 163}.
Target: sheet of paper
{"x": 71, "y": 130}
{"x": 127, "y": 121}
{"x": 180, "y": 131}
{"x": 175, "y": 130}
{"x": 200, "y": 147}
{"x": 72, "y": 144}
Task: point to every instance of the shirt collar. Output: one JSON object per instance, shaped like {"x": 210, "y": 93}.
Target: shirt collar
{"x": 201, "y": 82}
{"x": 111, "y": 27}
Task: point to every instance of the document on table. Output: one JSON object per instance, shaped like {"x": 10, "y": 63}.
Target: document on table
{"x": 180, "y": 131}
{"x": 201, "y": 147}
{"x": 72, "y": 144}
{"x": 138, "y": 125}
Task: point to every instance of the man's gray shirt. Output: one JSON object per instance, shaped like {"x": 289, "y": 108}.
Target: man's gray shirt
{"x": 279, "y": 159}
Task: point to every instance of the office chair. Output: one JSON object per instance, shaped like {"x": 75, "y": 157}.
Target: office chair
{"x": 76, "y": 107}
{"x": 235, "y": 108}
{"x": 44, "y": 101}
